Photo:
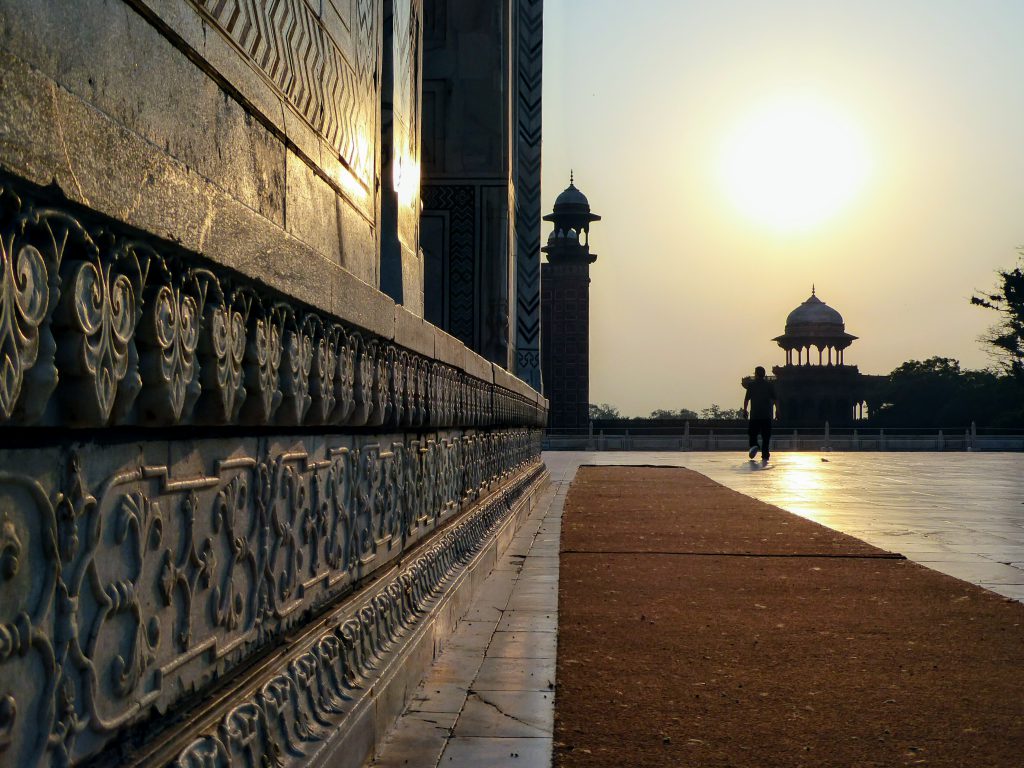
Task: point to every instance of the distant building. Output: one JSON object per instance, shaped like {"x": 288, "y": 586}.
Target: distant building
{"x": 816, "y": 384}
{"x": 565, "y": 311}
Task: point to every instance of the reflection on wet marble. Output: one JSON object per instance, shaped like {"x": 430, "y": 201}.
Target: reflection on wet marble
{"x": 958, "y": 513}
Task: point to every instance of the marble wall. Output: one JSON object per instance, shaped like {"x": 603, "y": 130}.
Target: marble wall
{"x": 222, "y": 416}
{"x": 481, "y": 176}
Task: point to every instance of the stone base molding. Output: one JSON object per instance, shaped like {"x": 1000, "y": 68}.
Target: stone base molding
{"x": 143, "y": 583}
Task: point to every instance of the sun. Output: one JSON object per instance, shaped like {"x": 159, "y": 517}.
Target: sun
{"x": 793, "y": 165}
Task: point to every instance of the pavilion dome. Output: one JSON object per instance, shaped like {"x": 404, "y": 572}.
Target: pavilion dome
{"x": 814, "y": 324}
{"x": 571, "y": 200}
{"x": 814, "y": 315}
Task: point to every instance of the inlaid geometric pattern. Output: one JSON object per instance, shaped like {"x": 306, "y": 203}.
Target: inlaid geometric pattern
{"x": 459, "y": 201}
{"x": 333, "y": 89}
{"x": 530, "y": 28}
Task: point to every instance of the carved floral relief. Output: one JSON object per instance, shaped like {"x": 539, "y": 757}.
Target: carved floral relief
{"x": 123, "y": 592}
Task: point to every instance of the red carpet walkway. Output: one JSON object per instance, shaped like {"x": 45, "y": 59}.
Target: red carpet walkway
{"x": 701, "y": 627}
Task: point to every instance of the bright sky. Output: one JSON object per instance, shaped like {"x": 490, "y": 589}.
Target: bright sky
{"x": 740, "y": 151}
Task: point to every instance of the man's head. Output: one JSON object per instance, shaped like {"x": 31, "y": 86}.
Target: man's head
{"x": 759, "y": 372}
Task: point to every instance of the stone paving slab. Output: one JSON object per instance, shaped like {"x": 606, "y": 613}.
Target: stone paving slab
{"x": 482, "y": 752}
{"x": 507, "y": 714}
{"x": 768, "y": 661}
{"x": 489, "y": 698}
{"x": 523, "y": 645}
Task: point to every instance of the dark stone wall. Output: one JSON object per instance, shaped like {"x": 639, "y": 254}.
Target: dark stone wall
{"x": 481, "y": 175}
{"x": 152, "y": 114}
{"x": 565, "y": 344}
{"x": 810, "y": 395}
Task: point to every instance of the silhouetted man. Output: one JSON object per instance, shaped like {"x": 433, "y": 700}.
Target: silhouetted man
{"x": 761, "y": 398}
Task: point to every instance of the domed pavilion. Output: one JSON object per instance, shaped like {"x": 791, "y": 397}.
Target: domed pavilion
{"x": 815, "y": 325}
{"x": 816, "y": 384}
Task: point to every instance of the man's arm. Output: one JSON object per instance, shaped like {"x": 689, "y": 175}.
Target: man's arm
{"x": 746, "y": 401}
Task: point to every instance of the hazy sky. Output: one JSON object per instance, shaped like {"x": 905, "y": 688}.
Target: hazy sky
{"x": 645, "y": 99}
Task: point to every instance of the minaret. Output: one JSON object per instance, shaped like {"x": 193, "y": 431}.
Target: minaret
{"x": 565, "y": 312}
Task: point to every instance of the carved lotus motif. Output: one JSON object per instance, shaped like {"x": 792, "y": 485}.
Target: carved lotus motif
{"x": 168, "y": 339}
{"x": 297, "y": 363}
{"x": 100, "y": 314}
{"x": 222, "y": 352}
{"x": 344, "y": 381}
{"x": 321, "y": 383}
{"x": 262, "y": 370}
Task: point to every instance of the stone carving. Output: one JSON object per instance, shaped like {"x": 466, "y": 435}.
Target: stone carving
{"x": 138, "y": 333}
{"x": 332, "y": 87}
{"x": 32, "y": 245}
{"x": 24, "y": 297}
{"x": 124, "y": 591}
{"x": 287, "y": 718}
{"x": 222, "y": 350}
{"x": 168, "y": 338}
{"x": 459, "y": 200}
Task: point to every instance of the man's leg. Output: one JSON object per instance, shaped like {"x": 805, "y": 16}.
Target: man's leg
{"x": 752, "y": 434}
{"x": 766, "y": 438}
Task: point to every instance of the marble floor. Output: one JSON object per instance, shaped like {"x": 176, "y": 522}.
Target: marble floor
{"x": 958, "y": 513}
{"x": 489, "y": 698}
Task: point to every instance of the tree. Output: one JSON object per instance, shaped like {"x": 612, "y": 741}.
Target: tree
{"x": 1008, "y": 335}
{"x": 682, "y": 413}
{"x": 715, "y": 411}
{"x": 604, "y": 411}
{"x": 935, "y": 393}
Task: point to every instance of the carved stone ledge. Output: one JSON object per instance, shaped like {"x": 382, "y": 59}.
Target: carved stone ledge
{"x": 100, "y": 328}
{"x": 136, "y": 576}
{"x": 292, "y": 713}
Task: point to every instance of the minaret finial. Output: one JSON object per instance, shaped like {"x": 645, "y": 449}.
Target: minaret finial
{"x": 812, "y": 289}
{"x": 570, "y": 177}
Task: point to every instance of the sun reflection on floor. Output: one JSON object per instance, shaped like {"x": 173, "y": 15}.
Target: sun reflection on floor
{"x": 802, "y": 475}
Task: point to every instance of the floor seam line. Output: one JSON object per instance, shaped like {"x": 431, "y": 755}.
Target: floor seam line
{"x": 752, "y": 555}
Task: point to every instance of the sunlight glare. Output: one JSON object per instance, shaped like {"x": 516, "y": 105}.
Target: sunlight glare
{"x": 793, "y": 165}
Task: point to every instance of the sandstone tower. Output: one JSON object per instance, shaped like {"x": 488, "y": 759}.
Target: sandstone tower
{"x": 565, "y": 311}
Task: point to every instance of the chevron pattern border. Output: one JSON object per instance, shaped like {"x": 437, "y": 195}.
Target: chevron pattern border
{"x": 334, "y": 90}
{"x": 530, "y": 30}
